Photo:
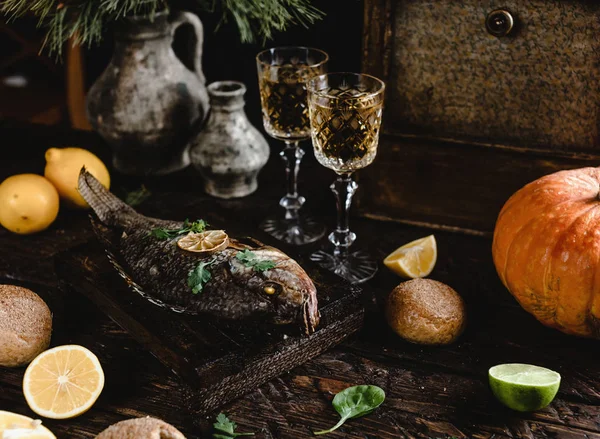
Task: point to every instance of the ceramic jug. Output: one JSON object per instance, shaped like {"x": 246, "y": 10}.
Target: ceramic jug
{"x": 147, "y": 104}
{"x": 229, "y": 152}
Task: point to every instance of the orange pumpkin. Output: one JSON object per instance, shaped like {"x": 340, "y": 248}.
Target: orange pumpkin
{"x": 547, "y": 250}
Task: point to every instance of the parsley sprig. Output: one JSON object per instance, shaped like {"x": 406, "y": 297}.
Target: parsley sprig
{"x": 196, "y": 227}
{"x": 249, "y": 259}
{"x": 199, "y": 276}
{"x": 225, "y": 428}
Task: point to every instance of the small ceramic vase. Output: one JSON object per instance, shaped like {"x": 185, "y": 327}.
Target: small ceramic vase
{"x": 229, "y": 152}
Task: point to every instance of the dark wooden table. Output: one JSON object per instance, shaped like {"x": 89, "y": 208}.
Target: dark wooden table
{"x": 431, "y": 392}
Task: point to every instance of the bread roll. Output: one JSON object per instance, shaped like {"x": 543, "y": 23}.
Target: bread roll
{"x": 425, "y": 311}
{"x": 25, "y": 326}
{"x": 141, "y": 428}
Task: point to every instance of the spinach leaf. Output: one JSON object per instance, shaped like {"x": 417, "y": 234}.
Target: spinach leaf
{"x": 355, "y": 402}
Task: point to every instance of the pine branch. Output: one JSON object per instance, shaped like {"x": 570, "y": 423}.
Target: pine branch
{"x": 269, "y": 16}
{"x": 86, "y": 20}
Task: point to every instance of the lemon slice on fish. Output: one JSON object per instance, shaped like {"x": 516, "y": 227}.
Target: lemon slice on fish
{"x": 209, "y": 241}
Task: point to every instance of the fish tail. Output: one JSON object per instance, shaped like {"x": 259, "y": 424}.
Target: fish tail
{"x": 110, "y": 210}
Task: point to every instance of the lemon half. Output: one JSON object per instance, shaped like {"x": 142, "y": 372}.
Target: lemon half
{"x": 13, "y": 425}
{"x": 63, "y": 382}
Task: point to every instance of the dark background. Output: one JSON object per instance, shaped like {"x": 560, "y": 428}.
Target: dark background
{"x": 339, "y": 33}
{"x": 225, "y": 58}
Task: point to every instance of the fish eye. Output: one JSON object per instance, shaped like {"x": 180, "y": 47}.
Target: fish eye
{"x": 271, "y": 289}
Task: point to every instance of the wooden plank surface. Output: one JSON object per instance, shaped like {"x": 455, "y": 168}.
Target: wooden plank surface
{"x": 431, "y": 392}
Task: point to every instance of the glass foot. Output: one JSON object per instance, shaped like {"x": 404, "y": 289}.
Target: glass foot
{"x": 301, "y": 232}
{"x": 356, "y": 268}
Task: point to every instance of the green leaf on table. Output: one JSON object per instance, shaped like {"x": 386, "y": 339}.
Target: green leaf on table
{"x": 199, "y": 276}
{"x": 225, "y": 428}
{"x": 224, "y": 425}
{"x": 355, "y": 402}
{"x": 249, "y": 259}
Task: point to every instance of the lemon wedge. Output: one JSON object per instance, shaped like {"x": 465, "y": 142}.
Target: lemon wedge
{"x": 14, "y": 426}
{"x": 209, "y": 241}
{"x": 63, "y": 382}
{"x": 415, "y": 259}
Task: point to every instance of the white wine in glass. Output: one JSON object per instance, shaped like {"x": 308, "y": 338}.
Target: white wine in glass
{"x": 282, "y": 76}
{"x": 345, "y": 117}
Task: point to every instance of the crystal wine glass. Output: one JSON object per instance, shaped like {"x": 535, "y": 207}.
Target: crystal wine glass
{"x": 282, "y": 76}
{"x": 345, "y": 117}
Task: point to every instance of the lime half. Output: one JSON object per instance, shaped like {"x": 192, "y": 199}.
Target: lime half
{"x": 524, "y": 387}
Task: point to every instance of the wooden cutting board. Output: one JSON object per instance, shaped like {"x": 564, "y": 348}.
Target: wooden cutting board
{"x": 218, "y": 361}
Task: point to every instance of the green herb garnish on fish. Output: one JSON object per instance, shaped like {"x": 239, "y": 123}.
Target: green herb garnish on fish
{"x": 225, "y": 428}
{"x": 194, "y": 227}
{"x": 249, "y": 259}
{"x": 199, "y": 276}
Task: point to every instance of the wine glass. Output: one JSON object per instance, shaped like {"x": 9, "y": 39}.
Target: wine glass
{"x": 345, "y": 118}
{"x": 282, "y": 76}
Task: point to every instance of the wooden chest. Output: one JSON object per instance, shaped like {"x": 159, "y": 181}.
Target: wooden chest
{"x": 482, "y": 97}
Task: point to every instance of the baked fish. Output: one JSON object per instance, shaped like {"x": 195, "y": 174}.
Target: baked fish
{"x": 271, "y": 287}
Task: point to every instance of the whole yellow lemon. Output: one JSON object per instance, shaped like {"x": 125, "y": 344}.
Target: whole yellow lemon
{"x": 28, "y": 203}
{"x": 62, "y": 169}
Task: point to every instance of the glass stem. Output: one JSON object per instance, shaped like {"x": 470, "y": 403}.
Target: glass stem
{"x": 342, "y": 238}
{"x": 292, "y": 157}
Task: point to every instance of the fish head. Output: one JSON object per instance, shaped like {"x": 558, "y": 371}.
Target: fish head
{"x": 288, "y": 288}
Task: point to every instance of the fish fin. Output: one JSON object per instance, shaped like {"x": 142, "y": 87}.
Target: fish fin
{"x": 110, "y": 210}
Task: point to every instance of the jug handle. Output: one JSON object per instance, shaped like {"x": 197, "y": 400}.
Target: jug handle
{"x": 180, "y": 18}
